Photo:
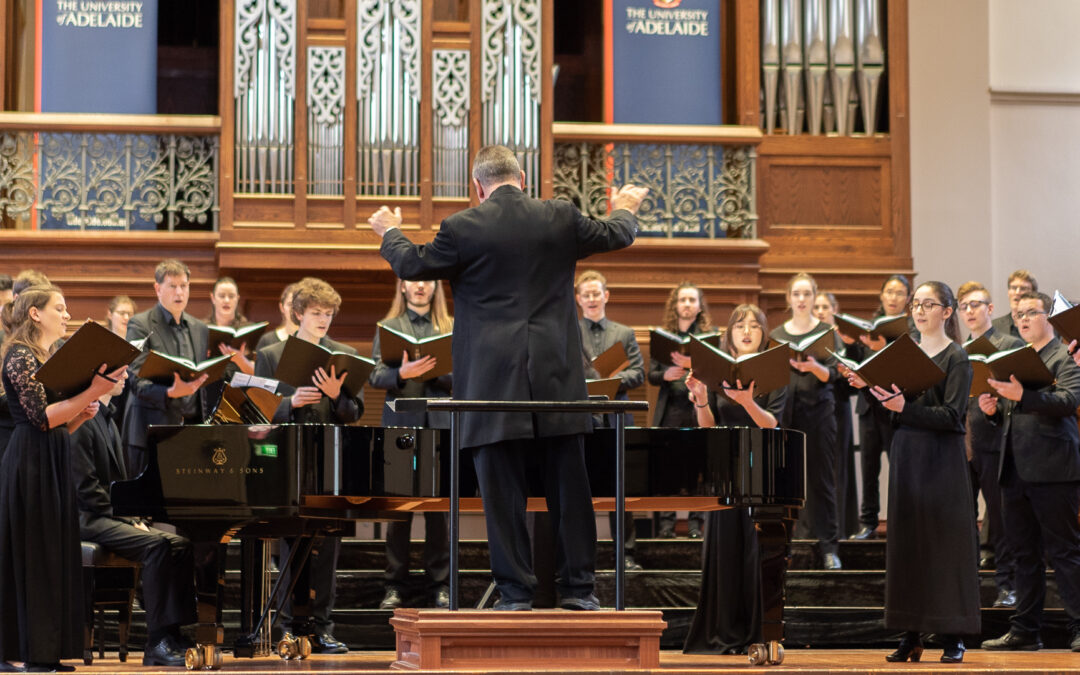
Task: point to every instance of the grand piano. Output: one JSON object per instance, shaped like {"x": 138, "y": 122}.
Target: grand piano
{"x": 219, "y": 482}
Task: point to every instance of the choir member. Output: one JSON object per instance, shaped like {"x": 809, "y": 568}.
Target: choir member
{"x": 41, "y": 590}
{"x": 119, "y": 312}
{"x": 931, "y": 566}
{"x": 1020, "y": 282}
{"x": 875, "y": 429}
{"x": 811, "y": 408}
{"x": 6, "y": 296}
{"x": 168, "y": 559}
{"x": 288, "y": 326}
{"x": 315, "y": 304}
{"x": 729, "y": 611}
{"x": 685, "y": 313}
{"x": 225, "y": 311}
{"x": 418, "y": 309}
{"x": 598, "y": 334}
{"x": 168, "y": 329}
{"x": 1040, "y": 480}
{"x": 984, "y": 444}
{"x": 847, "y": 497}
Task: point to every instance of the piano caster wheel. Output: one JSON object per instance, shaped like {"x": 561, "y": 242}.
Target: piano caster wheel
{"x": 203, "y": 657}
{"x": 776, "y": 653}
{"x": 758, "y": 654}
{"x": 295, "y": 648}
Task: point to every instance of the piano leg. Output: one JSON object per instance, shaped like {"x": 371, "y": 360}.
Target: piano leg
{"x": 774, "y": 529}
{"x": 210, "y": 596}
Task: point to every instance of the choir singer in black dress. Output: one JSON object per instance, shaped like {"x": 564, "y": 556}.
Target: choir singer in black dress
{"x": 931, "y": 566}
{"x": 728, "y": 616}
{"x": 41, "y": 590}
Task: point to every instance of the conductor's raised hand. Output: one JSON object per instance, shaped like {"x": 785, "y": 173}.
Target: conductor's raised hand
{"x": 329, "y": 384}
{"x": 384, "y": 219}
{"x": 413, "y": 369}
{"x": 629, "y": 197}
{"x": 180, "y": 388}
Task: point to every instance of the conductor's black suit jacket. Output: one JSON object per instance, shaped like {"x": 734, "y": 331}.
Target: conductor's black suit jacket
{"x": 148, "y": 403}
{"x": 1041, "y": 426}
{"x": 510, "y": 262}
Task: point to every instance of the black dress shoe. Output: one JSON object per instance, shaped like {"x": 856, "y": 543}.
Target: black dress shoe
{"x": 442, "y": 597}
{"x": 631, "y": 565}
{"x": 1006, "y": 598}
{"x": 694, "y": 533}
{"x": 954, "y": 650}
{"x": 831, "y": 561}
{"x": 865, "y": 532}
{"x": 987, "y": 562}
{"x": 32, "y": 667}
{"x": 392, "y": 599}
{"x": 1074, "y": 644}
{"x": 1013, "y": 642}
{"x": 588, "y": 603}
{"x": 910, "y": 647}
{"x": 6, "y": 667}
{"x": 163, "y": 653}
{"x": 666, "y": 533}
{"x": 508, "y": 606}
{"x": 325, "y": 643}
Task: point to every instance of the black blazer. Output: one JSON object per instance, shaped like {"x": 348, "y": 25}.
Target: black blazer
{"x": 511, "y": 262}
{"x": 982, "y": 435}
{"x": 344, "y": 410}
{"x": 1004, "y": 324}
{"x": 97, "y": 459}
{"x": 1041, "y": 426}
{"x": 386, "y": 377}
{"x": 147, "y": 402}
{"x": 633, "y": 376}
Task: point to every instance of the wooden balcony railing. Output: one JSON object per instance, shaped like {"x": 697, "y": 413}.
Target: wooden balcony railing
{"x": 108, "y": 172}
{"x": 701, "y": 179}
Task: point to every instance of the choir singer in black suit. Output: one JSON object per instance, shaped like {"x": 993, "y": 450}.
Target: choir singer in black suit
{"x": 169, "y": 329}
{"x": 510, "y": 261}
{"x": 168, "y": 560}
{"x": 1040, "y": 480}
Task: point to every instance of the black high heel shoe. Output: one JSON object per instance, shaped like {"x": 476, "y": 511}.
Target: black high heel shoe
{"x": 911, "y": 647}
{"x": 954, "y": 650}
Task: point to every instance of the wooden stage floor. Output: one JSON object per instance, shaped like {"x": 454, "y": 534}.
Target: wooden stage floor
{"x": 672, "y": 663}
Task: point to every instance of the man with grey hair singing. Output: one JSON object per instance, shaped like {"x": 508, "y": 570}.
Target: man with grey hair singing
{"x": 510, "y": 261}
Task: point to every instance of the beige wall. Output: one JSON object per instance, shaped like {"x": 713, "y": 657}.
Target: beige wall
{"x": 995, "y": 140}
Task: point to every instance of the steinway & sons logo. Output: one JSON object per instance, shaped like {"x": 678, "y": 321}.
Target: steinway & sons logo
{"x": 219, "y": 458}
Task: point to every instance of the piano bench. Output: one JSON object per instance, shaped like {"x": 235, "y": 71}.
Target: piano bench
{"x": 109, "y": 583}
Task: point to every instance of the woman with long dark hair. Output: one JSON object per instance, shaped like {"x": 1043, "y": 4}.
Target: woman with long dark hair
{"x": 932, "y": 561}
{"x": 728, "y": 615}
{"x": 41, "y": 593}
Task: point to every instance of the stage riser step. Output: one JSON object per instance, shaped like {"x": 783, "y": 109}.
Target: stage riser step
{"x": 815, "y": 627}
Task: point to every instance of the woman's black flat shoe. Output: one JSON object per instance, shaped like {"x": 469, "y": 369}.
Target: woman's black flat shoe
{"x": 954, "y": 652}
{"x": 910, "y": 648}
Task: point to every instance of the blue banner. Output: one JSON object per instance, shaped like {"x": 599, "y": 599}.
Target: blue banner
{"x": 665, "y": 62}
{"x": 99, "y": 56}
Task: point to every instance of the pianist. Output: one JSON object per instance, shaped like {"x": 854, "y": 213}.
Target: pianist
{"x": 510, "y": 262}
{"x": 314, "y": 305}
{"x": 168, "y": 560}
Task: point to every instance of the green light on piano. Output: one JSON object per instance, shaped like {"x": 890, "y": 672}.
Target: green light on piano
{"x": 266, "y": 450}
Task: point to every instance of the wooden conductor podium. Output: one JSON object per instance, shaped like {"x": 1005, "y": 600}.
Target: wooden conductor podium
{"x": 432, "y": 639}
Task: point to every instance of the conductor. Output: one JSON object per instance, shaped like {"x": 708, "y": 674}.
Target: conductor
{"x": 510, "y": 261}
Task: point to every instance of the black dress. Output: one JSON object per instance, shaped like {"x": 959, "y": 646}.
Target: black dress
{"x": 41, "y": 592}
{"x": 728, "y": 615}
{"x": 811, "y": 409}
{"x": 932, "y": 563}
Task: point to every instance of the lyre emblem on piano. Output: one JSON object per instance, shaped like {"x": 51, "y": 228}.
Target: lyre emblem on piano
{"x": 219, "y": 458}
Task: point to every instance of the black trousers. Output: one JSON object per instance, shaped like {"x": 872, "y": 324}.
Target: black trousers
{"x": 168, "y": 572}
{"x": 984, "y": 466}
{"x": 502, "y": 470}
{"x": 819, "y": 519}
{"x": 322, "y": 584}
{"x": 875, "y": 437}
{"x": 1041, "y": 524}
{"x": 436, "y": 551}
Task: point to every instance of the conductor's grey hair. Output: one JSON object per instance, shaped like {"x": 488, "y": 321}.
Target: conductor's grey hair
{"x": 495, "y": 164}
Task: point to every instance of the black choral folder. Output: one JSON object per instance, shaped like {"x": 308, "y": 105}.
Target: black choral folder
{"x": 888, "y": 327}
{"x": 393, "y": 343}
{"x": 71, "y": 369}
{"x": 1065, "y": 318}
{"x": 611, "y": 361}
{"x": 768, "y": 370}
{"x": 300, "y": 359}
{"x": 819, "y": 346}
{"x": 159, "y": 368}
{"x": 901, "y": 362}
{"x": 662, "y": 343}
{"x": 248, "y": 336}
{"x": 1023, "y": 362}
